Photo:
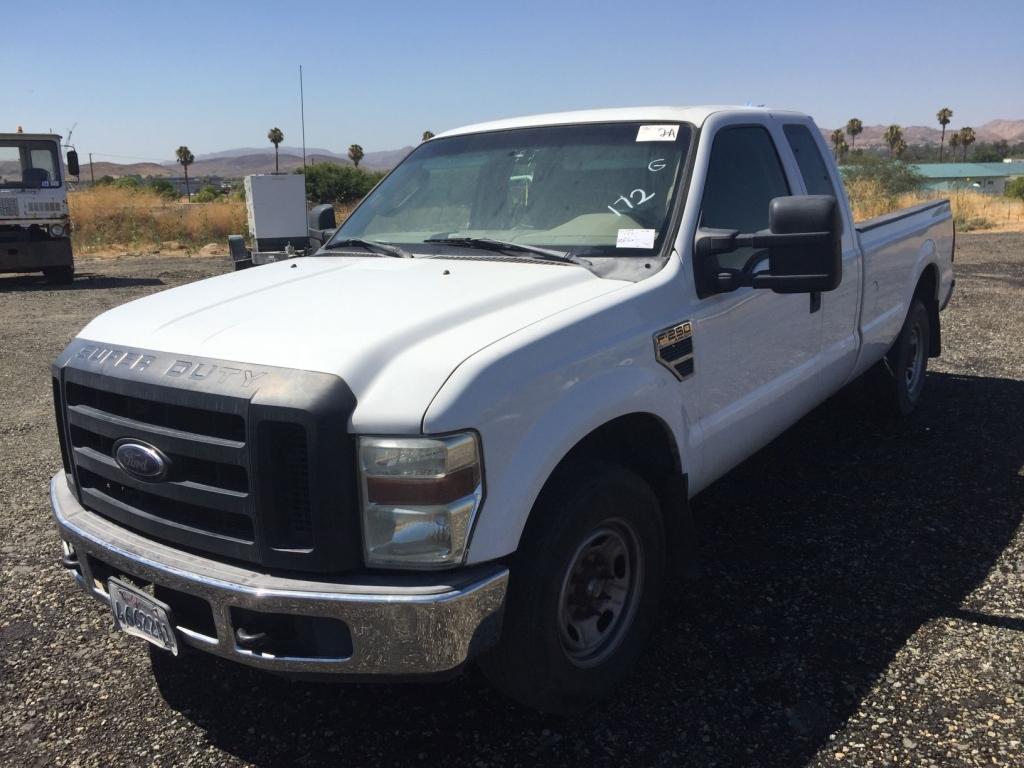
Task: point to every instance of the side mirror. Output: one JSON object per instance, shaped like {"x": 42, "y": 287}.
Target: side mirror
{"x": 73, "y": 168}
{"x": 803, "y": 246}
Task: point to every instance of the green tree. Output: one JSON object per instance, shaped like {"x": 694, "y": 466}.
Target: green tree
{"x": 893, "y": 137}
{"x": 334, "y": 183}
{"x": 275, "y": 136}
{"x": 1015, "y": 188}
{"x": 837, "y": 142}
{"x": 428, "y": 135}
{"x": 967, "y": 138}
{"x": 185, "y": 159}
{"x": 163, "y": 187}
{"x": 207, "y": 194}
{"x": 944, "y": 115}
{"x": 954, "y": 142}
{"x": 355, "y": 154}
{"x": 854, "y": 127}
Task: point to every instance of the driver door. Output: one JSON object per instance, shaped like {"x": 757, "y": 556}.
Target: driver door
{"x": 757, "y": 348}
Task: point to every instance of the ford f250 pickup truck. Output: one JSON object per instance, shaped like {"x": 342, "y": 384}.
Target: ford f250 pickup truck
{"x": 467, "y": 427}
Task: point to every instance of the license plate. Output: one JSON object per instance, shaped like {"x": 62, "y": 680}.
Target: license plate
{"x": 139, "y": 614}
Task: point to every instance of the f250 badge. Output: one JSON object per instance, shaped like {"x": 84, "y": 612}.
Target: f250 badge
{"x": 673, "y": 347}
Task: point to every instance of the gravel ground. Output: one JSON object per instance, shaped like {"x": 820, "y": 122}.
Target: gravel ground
{"x": 860, "y": 602}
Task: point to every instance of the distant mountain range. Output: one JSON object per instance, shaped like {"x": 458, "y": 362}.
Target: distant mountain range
{"x": 235, "y": 163}
{"x": 243, "y": 161}
{"x": 994, "y": 130}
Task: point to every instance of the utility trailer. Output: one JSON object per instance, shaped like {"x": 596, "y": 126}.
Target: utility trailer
{"x": 280, "y": 226}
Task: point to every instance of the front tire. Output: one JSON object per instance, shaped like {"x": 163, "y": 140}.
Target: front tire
{"x": 583, "y": 593}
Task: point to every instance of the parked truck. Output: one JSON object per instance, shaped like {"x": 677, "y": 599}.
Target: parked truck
{"x": 35, "y": 229}
{"x": 467, "y": 428}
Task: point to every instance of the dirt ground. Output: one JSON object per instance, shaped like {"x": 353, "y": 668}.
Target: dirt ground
{"x": 860, "y": 601}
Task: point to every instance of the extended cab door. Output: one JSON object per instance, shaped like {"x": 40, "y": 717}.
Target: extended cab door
{"x": 756, "y": 351}
{"x": 840, "y": 338}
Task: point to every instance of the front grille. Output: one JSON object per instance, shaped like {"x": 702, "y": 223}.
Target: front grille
{"x": 253, "y": 478}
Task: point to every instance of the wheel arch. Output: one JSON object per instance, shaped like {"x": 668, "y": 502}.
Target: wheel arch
{"x": 643, "y": 443}
{"x": 927, "y": 290}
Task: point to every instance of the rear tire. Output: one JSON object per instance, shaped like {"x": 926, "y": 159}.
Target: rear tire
{"x": 583, "y": 592}
{"x": 59, "y": 275}
{"x": 898, "y": 379}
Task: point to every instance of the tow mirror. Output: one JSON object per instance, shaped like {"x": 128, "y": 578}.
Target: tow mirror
{"x": 803, "y": 247}
{"x": 73, "y": 168}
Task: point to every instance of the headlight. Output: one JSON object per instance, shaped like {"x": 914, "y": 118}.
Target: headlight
{"x": 56, "y": 230}
{"x": 420, "y": 496}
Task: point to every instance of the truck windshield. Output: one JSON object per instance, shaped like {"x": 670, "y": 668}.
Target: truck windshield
{"x": 28, "y": 164}
{"x": 604, "y": 189}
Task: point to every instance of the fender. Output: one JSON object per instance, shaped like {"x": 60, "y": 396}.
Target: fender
{"x": 527, "y": 431}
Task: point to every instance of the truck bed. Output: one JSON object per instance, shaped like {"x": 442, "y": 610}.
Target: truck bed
{"x": 896, "y": 247}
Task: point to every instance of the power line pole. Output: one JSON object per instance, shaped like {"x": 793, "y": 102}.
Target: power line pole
{"x": 91, "y": 174}
{"x": 302, "y": 112}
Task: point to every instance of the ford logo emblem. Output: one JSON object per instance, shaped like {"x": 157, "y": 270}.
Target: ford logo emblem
{"x": 141, "y": 460}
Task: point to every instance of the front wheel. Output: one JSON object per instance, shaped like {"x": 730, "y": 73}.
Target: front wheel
{"x": 899, "y": 377}
{"x": 583, "y": 593}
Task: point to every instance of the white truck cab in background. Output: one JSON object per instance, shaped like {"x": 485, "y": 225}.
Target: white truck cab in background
{"x": 468, "y": 426}
{"x": 35, "y": 229}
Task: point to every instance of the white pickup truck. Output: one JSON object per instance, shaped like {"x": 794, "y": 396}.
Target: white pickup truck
{"x": 467, "y": 428}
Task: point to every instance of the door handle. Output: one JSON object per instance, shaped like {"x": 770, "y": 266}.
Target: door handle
{"x": 815, "y": 301}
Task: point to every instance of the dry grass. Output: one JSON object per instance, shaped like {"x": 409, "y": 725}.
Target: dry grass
{"x": 971, "y": 210}
{"x": 104, "y": 217}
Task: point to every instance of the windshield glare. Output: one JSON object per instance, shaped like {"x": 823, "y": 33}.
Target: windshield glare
{"x": 602, "y": 190}
{"x": 28, "y": 164}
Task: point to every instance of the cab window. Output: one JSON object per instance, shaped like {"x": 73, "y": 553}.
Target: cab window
{"x": 744, "y": 175}
{"x": 808, "y": 157}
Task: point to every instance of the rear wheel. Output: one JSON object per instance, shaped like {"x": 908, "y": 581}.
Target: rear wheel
{"x": 583, "y": 592}
{"x": 899, "y": 378}
{"x": 59, "y": 275}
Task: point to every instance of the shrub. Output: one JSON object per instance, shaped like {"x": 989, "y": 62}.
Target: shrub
{"x": 206, "y": 195}
{"x": 164, "y": 188}
{"x": 1015, "y": 188}
{"x": 331, "y": 183}
{"x": 891, "y": 176}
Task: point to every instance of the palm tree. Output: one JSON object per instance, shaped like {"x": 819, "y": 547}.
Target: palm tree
{"x": 854, "y": 128}
{"x": 954, "y": 142}
{"x": 428, "y": 135}
{"x": 275, "y": 136}
{"x": 901, "y": 147}
{"x": 185, "y": 159}
{"x": 355, "y": 154}
{"x": 893, "y": 136}
{"x": 837, "y": 142}
{"x": 967, "y": 138}
{"x": 944, "y": 115}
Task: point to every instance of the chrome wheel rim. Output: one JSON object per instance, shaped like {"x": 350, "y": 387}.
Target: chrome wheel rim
{"x": 915, "y": 366}
{"x": 600, "y": 592}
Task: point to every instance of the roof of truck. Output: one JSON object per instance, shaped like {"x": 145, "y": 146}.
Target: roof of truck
{"x": 694, "y": 115}
{"x": 16, "y": 136}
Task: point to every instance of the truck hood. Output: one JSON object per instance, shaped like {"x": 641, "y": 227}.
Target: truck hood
{"x": 393, "y": 329}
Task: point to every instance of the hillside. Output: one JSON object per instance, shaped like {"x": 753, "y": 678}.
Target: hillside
{"x": 994, "y": 130}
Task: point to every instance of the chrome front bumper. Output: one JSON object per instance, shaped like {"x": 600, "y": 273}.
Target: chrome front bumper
{"x": 408, "y": 625}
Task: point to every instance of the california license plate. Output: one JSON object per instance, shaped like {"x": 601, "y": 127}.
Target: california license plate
{"x": 137, "y": 613}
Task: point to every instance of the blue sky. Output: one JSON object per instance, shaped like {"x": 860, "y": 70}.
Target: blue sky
{"x": 140, "y": 79}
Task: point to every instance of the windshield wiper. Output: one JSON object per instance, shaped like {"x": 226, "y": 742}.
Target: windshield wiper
{"x": 488, "y": 244}
{"x": 382, "y": 249}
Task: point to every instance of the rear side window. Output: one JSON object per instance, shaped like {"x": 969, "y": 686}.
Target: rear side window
{"x": 808, "y": 157}
{"x": 744, "y": 175}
